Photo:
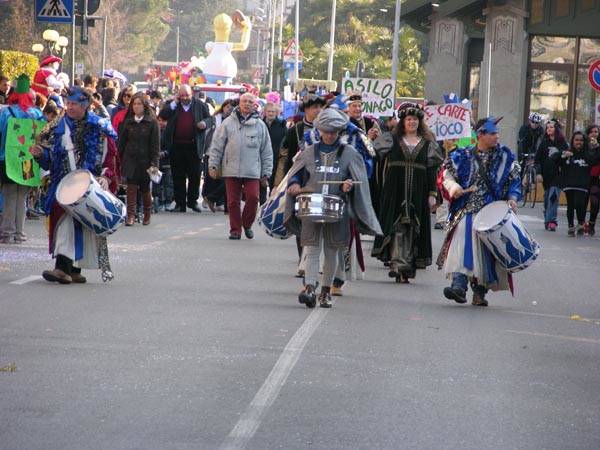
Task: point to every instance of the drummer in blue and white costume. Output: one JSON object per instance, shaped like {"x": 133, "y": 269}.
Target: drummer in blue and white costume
{"x": 75, "y": 140}
{"x": 463, "y": 257}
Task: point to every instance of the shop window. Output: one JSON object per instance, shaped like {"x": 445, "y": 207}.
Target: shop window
{"x": 551, "y": 49}
{"x": 473, "y": 93}
{"x": 589, "y": 50}
{"x": 587, "y": 99}
{"x": 537, "y": 11}
{"x": 586, "y": 5}
{"x": 561, "y": 8}
{"x": 550, "y": 93}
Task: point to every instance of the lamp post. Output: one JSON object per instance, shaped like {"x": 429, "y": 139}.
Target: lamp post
{"x": 396, "y": 45}
{"x": 51, "y": 37}
{"x": 37, "y": 49}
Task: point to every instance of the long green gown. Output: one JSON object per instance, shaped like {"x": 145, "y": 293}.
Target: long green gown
{"x": 409, "y": 178}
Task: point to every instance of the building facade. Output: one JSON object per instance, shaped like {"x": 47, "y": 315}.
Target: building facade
{"x": 513, "y": 57}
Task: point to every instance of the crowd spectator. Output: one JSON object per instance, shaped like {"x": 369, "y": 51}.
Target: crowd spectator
{"x": 139, "y": 150}
{"x": 90, "y": 82}
{"x": 118, "y": 113}
{"x": 163, "y": 191}
{"x": 213, "y": 190}
{"x": 4, "y": 89}
{"x": 184, "y": 134}
{"x": 277, "y": 129}
{"x": 241, "y": 152}
{"x": 109, "y": 99}
{"x": 547, "y": 160}
{"x": 576, "y": 164}
{"x": 592, "y": 132}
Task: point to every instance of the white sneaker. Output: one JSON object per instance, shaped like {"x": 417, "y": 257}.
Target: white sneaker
{"x": 171, "y": 206}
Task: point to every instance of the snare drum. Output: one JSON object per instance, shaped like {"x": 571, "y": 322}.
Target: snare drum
{"x": 83, "y": 198}
{"x": 319, "y": 208}
{"x": 505, "y": 236}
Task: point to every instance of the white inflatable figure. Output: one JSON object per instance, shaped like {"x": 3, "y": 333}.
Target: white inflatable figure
{"x": 220, "y": 66}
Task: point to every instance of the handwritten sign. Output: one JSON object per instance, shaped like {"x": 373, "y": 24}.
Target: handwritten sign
{"x": 377, "y": 95}
{"x": 449, "y": 121}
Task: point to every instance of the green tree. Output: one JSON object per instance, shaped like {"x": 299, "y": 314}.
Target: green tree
{"x": 363, "y": 33}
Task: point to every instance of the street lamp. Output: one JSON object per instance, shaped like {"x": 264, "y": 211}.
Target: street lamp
{"x": 51, "y": 37}
{"x": 61, "y": 45}
{"x": 37, "y": 48}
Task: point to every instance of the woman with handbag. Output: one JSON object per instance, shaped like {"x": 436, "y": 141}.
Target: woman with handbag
{"x": 139, "y": 152}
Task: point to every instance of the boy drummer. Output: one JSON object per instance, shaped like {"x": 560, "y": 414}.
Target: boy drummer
{"x": 474, "y": 177}
{"x": 343, "y": 167}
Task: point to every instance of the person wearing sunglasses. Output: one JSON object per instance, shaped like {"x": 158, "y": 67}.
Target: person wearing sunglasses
{"x": 119, "y": 113}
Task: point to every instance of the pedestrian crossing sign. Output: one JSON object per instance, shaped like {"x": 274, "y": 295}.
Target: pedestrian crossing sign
{"x": 60, "y": 11}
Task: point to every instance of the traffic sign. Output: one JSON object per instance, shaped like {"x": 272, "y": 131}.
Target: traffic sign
{"x": 60, "y": 11}
{"x": 290, "y": 50}
{"x": 289, "y": 65}
{"x": 257, "y": 74}
{"x": 594, "y": 74}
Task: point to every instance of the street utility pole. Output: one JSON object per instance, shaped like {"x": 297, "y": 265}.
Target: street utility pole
{"x": 331, "y": 42}
{"x": 396, "y": 45}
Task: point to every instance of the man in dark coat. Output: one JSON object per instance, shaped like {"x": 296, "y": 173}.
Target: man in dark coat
{"x": 294, "y": 138}
{"x": 186, "y": 124}
{"x": 277, "y": 130}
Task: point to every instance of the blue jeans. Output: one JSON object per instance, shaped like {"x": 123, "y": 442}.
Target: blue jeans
{"x": 551, "y": 198}
{"x": 460, "y": 280}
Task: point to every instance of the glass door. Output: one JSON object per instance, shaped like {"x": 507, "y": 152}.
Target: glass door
{"x": 551, "y": 91}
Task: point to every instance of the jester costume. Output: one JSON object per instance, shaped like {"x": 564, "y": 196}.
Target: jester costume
{"x": 490, "y": 175}
{"x": 68, "y": 145}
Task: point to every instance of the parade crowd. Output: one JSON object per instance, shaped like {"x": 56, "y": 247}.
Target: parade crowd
{"x": 383, "y": 177}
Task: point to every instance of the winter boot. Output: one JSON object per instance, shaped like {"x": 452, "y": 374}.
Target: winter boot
{"x": 131, "y": 204}
{"x": 147, "y": 202}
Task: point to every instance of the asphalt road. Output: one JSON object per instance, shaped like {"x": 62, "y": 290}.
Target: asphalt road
{"x": 199, "y": 342}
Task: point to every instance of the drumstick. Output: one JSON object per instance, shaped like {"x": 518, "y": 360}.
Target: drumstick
{"x": 338, "y": 182}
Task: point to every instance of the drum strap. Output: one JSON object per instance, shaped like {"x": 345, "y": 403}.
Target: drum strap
{"x": 67, "y": 142}
{"x": 483, "y": 173}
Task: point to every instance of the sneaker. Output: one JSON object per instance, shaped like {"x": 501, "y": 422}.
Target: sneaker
{"x": 337, "y": 290}
{"x": 551, "y": 226}
{"x": 248, "y": 233}
{"x": 455, "y": 293}
{"x": 571, "y": 232}
{"x": 479, "y": 300}
{"x": 591, "y": 228}
{"x": 579, "y": 230}
{"x": 235, "y": 236}
{"x": 308, "y": 297}
{"x": 325, "y": 299}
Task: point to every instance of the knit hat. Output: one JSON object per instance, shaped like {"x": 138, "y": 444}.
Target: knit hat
{"x": 331, "y": 120}
{"x": 23, "y": 84}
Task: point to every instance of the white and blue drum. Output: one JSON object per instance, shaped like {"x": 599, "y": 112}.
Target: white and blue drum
{"x": 505, "y": 236}
{"x": 83, "y": 198}
{"x": 271, "y": 215}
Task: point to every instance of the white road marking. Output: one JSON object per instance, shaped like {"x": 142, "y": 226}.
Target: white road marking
{"x": 558, "y": 336}
{"x": 26, "y": 280}
{"x": 526, "y": 218}
{"x": 250, "y": 420}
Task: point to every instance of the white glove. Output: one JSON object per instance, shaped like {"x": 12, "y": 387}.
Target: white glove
{"x": 173, "y": 105}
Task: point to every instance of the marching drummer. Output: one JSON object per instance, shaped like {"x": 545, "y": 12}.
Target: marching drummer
{"x": 328, "y": 167}
{"x": 75, "y": 140}
{"x": 473, "y": 177}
